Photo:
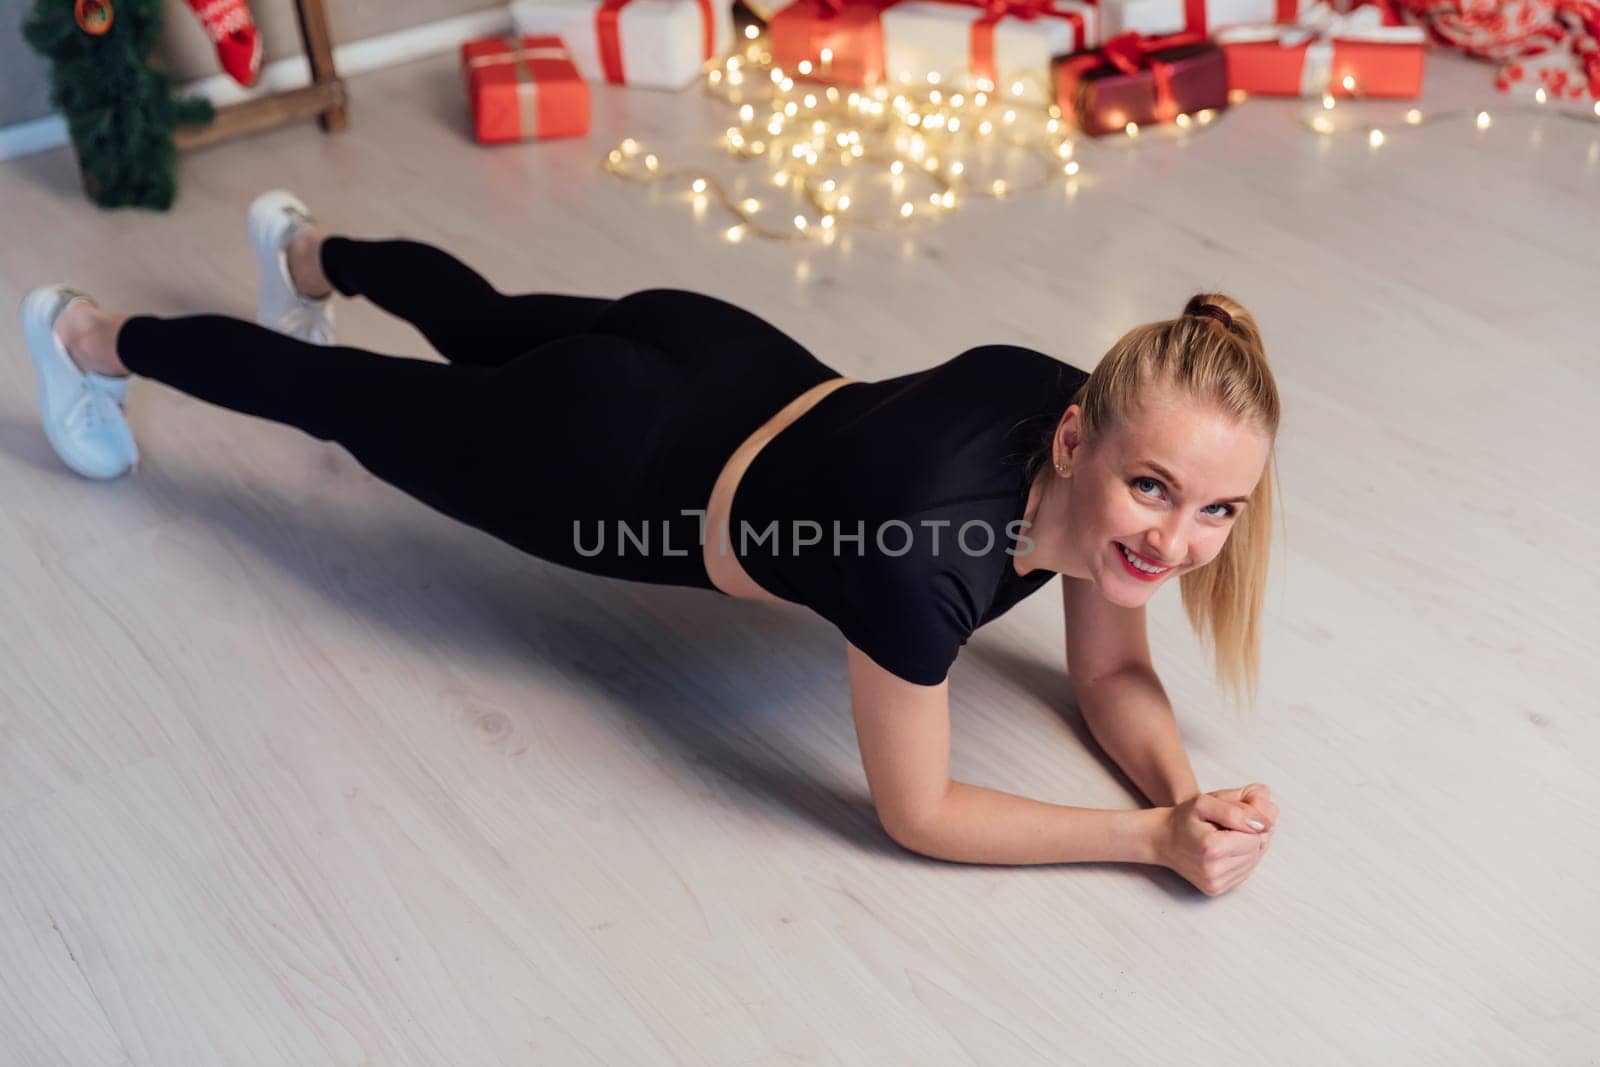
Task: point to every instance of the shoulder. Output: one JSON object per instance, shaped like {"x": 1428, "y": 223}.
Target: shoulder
{"x": 1015, "y": 359}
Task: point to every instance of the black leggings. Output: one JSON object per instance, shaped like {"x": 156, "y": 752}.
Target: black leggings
{"x": 558, "y": 420}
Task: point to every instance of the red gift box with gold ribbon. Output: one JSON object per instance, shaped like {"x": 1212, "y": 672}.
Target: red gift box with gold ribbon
{"x": 523, "y": 88}
{"x": 1144, "y": 80}
{"x": 850, "y": 29}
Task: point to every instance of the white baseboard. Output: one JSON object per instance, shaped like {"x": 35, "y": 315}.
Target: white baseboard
{"x": 357, "y": 57}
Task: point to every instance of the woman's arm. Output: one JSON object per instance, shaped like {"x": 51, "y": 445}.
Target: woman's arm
{"x": 972, "y": 824}
{"x": 1129, "y": 715}
{"x": 904, "y": 735}
{"x": 1123, "y": 704}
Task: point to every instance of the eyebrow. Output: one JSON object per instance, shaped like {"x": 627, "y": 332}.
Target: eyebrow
{"x": 1173, "y": 480}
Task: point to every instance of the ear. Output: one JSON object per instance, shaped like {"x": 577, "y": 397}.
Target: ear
{"x": 1068, "y": 436}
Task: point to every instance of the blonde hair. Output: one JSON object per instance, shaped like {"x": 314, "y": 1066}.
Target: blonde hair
{"x": 1222, "y": 364}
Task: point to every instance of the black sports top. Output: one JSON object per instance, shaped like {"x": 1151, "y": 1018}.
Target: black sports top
{"x": 894, "y": 508}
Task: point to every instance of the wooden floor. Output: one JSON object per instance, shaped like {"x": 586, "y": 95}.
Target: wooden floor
{"x": 294, "y": 770}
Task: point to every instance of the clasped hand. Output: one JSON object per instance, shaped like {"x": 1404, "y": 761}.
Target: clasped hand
{"x": 1209, "y": 839}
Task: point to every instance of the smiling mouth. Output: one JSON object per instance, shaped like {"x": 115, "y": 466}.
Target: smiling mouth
{"x": 1138, "y": 566}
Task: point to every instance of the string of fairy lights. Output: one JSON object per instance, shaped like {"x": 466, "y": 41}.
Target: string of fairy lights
{"x": 828, "y": 158}
{"x": 1324, "y": 121}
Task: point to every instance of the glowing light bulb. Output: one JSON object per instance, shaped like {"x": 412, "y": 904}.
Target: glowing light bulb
{"x": 751, "y": 33}
{"x": 843, "y": 204}
{"x": 799, "y": 222}
{"x": 1375, "y": 138}
{"x": 953, "y": 125}
{"x": 630, "y": 146}
{"x": 896, "y": 167}
{"x": 1413, "y": 116}
{"x": 1237, "y": 96}
{"x": 906, "y": 209}
{"x": 1321, "y": 124}
{"x": 827, "y": 222}
{"x": 777, "y": 76}
{"x": 805, "y": 66}
{"x": 1131, "y": 129}
{"x": 1327, "y": 101}
{"x": 750, "y": 204}
{"x": 1071, "y": 168}
{"x": 827, "y": 55}
{"x": 1017, "y": 88}
{"x": 651, "y": 162}
{"x": 615, "y": 156}
{"x": 948, "y": 199}
{"x": 933, "y": 77}
{"x": 1540, "y": 95}
{"x": 986, "y": 127}
{"x": 1349, "y": 83}
{"x": 1183, "y": 121}
{"x": 957, "y": 168}
{"x": 699, "y": 185}
{"x": 1484, "y": 121}
{"x": 1065, "y": 149}
{"x": 1205, "y": 115}
{"x": 809, "y": 100}
{"x": 999, "y": 187}
{"x": 1010, "y": 116}
{"x": 734, "y": 233}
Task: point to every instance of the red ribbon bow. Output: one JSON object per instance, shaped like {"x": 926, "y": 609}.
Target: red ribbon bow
{"x": 1130, "y": 53}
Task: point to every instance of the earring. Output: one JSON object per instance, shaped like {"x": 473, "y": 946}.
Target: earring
{"x": 1063, "y": 471}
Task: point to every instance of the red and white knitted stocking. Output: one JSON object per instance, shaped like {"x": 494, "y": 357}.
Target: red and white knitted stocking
{"x": 230, "y": 27}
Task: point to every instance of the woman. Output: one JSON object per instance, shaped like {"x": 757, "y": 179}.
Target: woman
{"x": 670, "y": 437}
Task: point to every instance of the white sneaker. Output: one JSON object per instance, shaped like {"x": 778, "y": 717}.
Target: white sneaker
{"x": 82, "y": 411}
{"x": 274, "y": 219}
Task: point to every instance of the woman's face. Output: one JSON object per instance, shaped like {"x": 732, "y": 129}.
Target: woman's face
{"x": 1167, "y": 485}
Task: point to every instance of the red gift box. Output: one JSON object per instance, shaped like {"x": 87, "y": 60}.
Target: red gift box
{"x": 1137, "y": 79}
{"x": 850, "y": 28}
{"x": 524, "y": 88}
{"x": 1315, "y": 58}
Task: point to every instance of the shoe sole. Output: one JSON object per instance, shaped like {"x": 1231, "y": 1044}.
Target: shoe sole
{"x": 38, "y": 313}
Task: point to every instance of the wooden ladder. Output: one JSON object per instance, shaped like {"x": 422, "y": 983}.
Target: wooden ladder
{"x": 325, "y": 97}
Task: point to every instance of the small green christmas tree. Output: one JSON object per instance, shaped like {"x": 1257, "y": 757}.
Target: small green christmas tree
{"x": 120, "y": 112}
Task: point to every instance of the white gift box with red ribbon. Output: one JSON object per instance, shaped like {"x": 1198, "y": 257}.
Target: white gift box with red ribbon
{"x": 1000, "y": 43}
{"x": 652, "y": 44}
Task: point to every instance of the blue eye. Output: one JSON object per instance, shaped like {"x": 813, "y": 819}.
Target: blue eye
{"x": 1228, "y": 509}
